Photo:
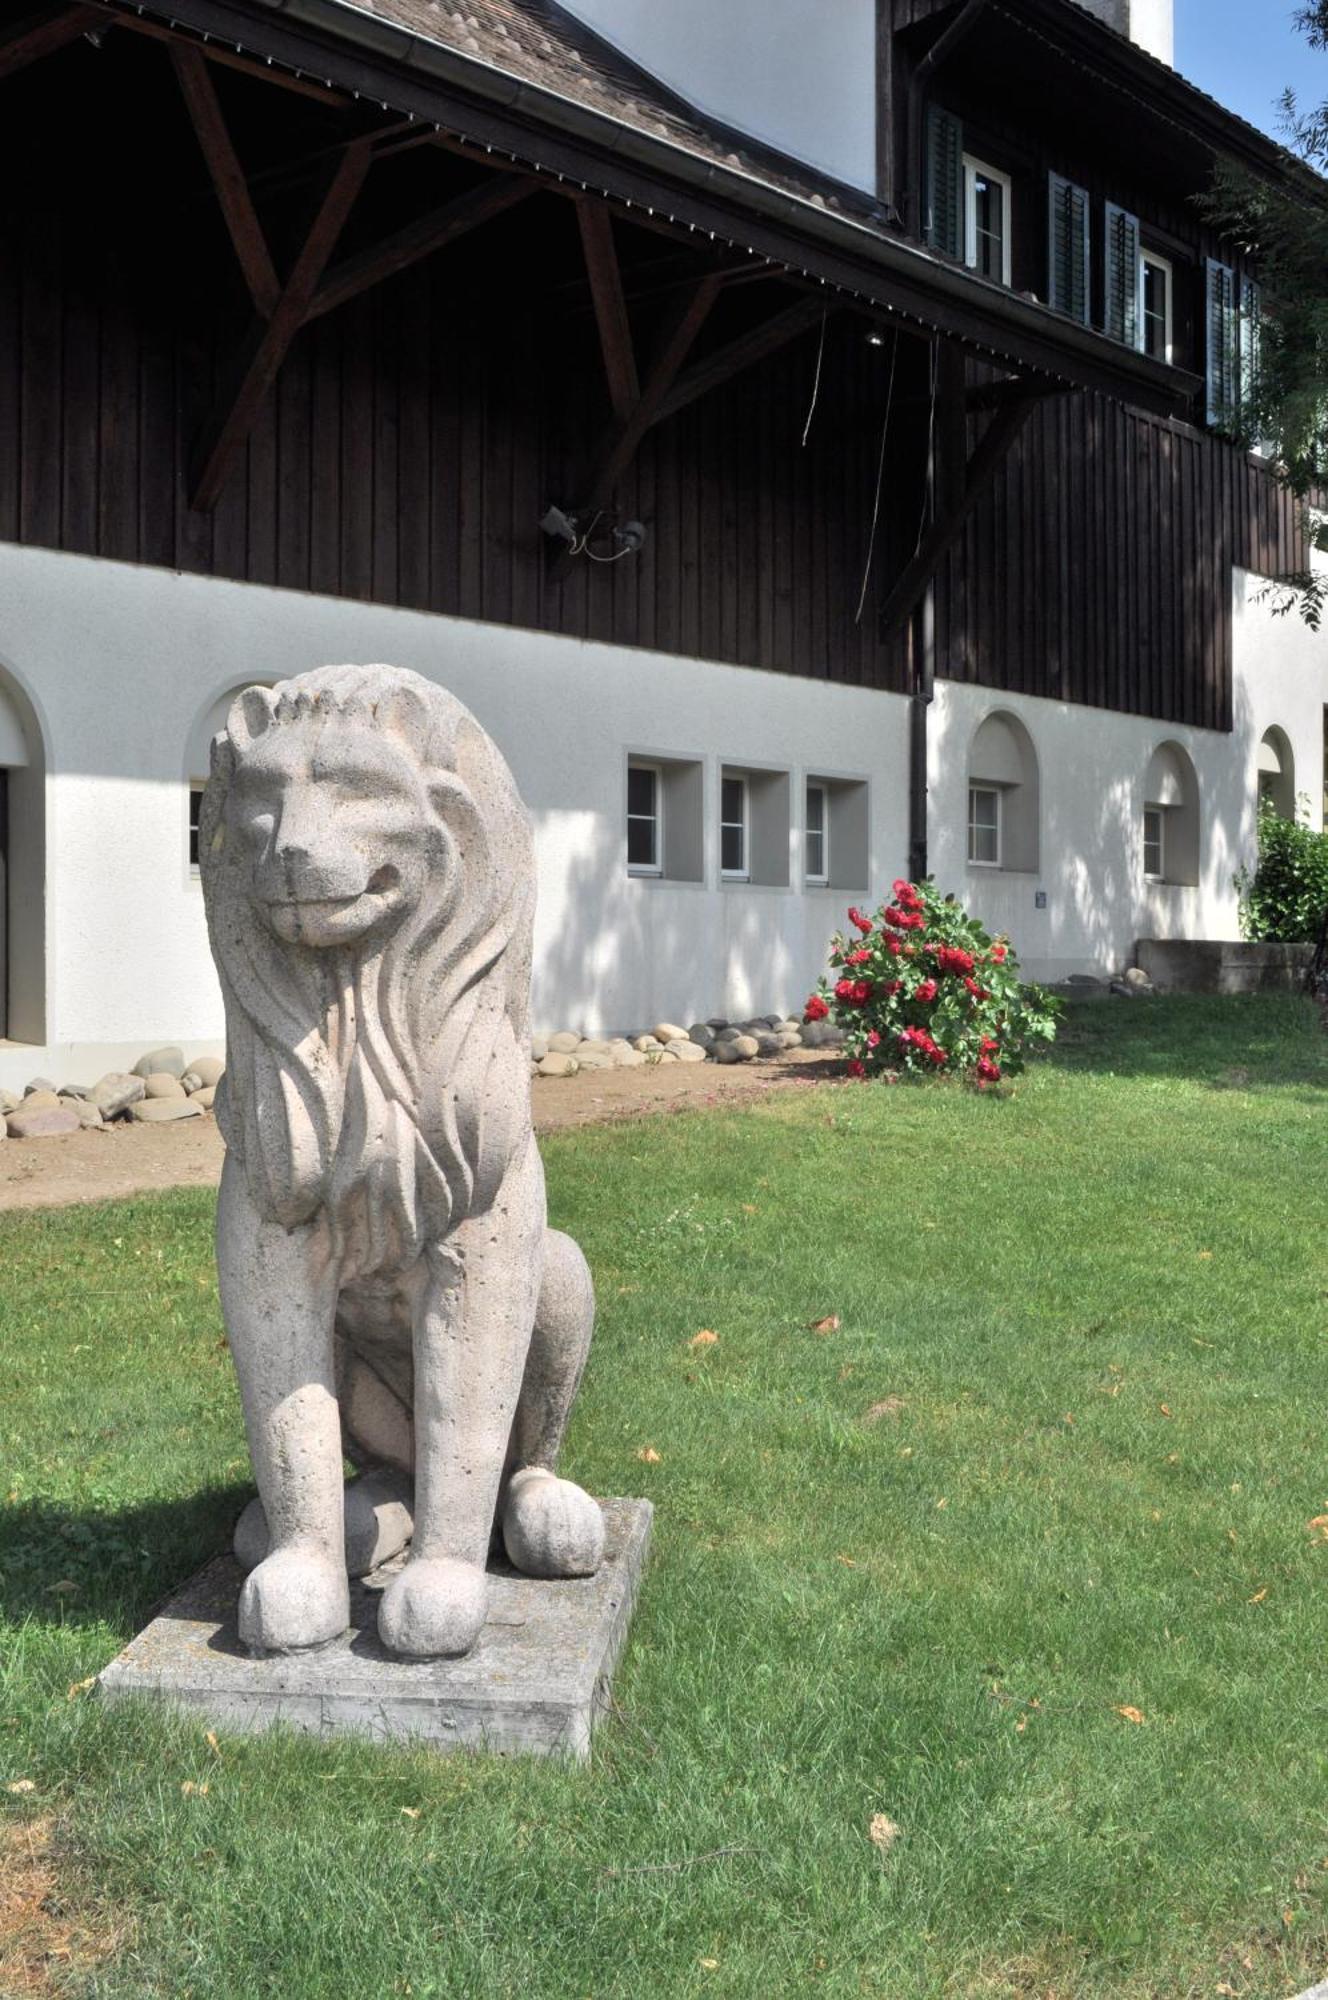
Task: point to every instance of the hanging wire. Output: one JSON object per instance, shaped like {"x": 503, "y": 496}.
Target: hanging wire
{"x": 880, "y": 475}
{"x": 816, "y": 384}
{"x": 934, "y": 366}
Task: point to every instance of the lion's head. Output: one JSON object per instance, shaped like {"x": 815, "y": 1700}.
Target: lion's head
{"x": 369, "y": 879}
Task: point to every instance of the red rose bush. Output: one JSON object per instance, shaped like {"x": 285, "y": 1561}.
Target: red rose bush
{"x": 920, "y": 988}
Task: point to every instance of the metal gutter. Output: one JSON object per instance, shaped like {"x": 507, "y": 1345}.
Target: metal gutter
{"x": 883, "y": 271}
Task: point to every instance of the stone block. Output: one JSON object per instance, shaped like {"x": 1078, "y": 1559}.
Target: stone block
{"x": 536, "y": 1682}
{"x": 50, "y": 1122}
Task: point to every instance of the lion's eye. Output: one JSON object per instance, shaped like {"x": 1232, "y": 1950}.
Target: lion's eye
{"x": 258, "y": 827}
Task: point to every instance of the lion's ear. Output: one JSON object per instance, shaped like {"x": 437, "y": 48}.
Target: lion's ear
{"x": 251, "y": 713}
{"x": 221, "y": 762}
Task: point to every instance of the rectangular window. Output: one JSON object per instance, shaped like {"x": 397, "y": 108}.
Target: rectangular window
{"x": 816, "y": 838}
{"x": 1067, "y": 248}
{"x": 943, "y": 223}
{"x": 984, "y": 826}
{"x": 986, "y": 221}
{"x": 645, "y": 830}
{"x": 195, "y": 810}
{"x": 1223, "y": 357}
{"x": 1154, "y": 843}
{"x": 733, "y": 829}
{"x": 1122, "y": 274}
{"x": 1156, "y": 285}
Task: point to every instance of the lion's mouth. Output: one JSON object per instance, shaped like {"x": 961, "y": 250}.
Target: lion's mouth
{"x": 380, "y": 883}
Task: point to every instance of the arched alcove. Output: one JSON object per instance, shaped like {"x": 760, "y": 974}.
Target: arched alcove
{"x": 22, "y": 867}
{"x": 1003, "y": 804}
{"x": 1276, "y": 768}
{"x": 1169, "y": 836}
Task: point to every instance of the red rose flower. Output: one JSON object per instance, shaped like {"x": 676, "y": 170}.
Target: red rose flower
{"x": 858, "y": 958}
{"x": 951, "y": 958}
{"x": 844, "y": 989}
{"x": 988, "y": 1070}
{"x": 894, "y": 986}
{"x": 893, "y": 946}
{"x": 900, "y": 888}
{"x": 873, "y": 1039}
{"x": 862, "y": 992}
{"x": 990, "y": 1048}
{"x": 895, "y": 917}
{"x": 855, "y": 916}
{"x": 998, "y": 954}
{"x": 857, "y": 1068}
{"x": 816, "y": 1009}
{"x": 973, "y": 987}
{"x": 926, "y": 992}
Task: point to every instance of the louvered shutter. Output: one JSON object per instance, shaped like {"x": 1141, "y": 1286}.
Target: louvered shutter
{"x": 1068, "y": 249}
{"x": 1223, "y": 353}
{"x": 945, "y": 182}
{"x": 1123, "y": 305}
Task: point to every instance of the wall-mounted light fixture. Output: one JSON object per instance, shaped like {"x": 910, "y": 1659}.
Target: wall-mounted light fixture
{"x": 602, "y": 537}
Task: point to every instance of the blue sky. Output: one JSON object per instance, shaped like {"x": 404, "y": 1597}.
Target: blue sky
{"x": 1245, "y": 53}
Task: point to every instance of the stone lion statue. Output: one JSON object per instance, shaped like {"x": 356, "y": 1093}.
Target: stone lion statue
{"x": 391, "y": 1290}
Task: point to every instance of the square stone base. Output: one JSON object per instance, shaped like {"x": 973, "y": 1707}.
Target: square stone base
{"x": 537, "y": 1681}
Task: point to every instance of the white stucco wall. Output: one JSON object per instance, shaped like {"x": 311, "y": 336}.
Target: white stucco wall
{"x": 1091, "y": 767}
{"x": 126, "y": 661}
{"x": 798, "y": 75}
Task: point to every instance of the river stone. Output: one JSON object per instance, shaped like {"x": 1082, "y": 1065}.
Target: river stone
{"x": 165, "y": 1110}
{"x": 727, "y": 1034}
{"x": 701, "y": 1033}
{"x": 1135, "y": 976}
{"x": 593, "y": 1059}
{"x": 8, "y": 1102}
{"x": 190, "y": 1082}
{"x": 43, "y": 1098}
{"x": 46, "y": 1123}
{"x": 539, "y": 1048}
{"x": 645, "y": 1045}
{"x": 593, "y": 1046}
{"x": 726, "y": 1051}
{"x": 115, "y": 1092}
{"x": 208, "y": 1070}
{"x": 162, "y": 1084}
{"x": 206, "y": 1097}
{"x": 156, "y": 1061}
{"x": 629, "y": 1059}
{"x": 86, "y": 1112}
{"x": 717, "y": 1021}
{"x": 789, "y": 1038}
{"x": 75, "y": 1090}
{"x": 665, "y": 1055}
{"x": 767, "y": 1043}
{"x": 564, "y": 1042}
{"x": 4, "y": 1126}
{"x": 666, "y": 1032}
{"x": 558, "y": 1063}
{"x": 747, "y": 1047}
{"x": 40, "y": 1084}
{"x": 686, "y": 1052}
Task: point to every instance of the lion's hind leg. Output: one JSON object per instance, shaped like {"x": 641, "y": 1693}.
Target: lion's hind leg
{"x": 551, "y": 1528}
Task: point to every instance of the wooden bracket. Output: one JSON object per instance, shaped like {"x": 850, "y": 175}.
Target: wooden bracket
{"x": 742, "y": 353}
{"x": 232, "y": 189}
{"x": 420, "y": 239}
{"x": 606, "y": 290}
{"x": 43, "y": 38}
{"x": 256, "y": 366}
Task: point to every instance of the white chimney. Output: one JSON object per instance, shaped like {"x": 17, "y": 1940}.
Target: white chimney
{"x": 796, "y": 74}
{"x": 1151, "y": 23}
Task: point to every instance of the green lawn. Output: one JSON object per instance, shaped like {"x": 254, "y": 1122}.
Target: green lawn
{"x": 1056, "y": 1611}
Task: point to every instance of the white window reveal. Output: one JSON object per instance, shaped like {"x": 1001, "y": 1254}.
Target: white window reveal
{"x": 987, "y": 202}
{"x": 645, "y": 820}
{"x": 1155, "y": 846}
{"x": 984, "y": 826}
{"x": 733, "y": 829}
{"x": 1157, "y": 287}
{"x": 816, "y": 837}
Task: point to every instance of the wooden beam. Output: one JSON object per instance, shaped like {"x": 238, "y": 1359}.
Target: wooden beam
{"x": 156, "y": 31}
{"x": 995, "y": 395}
{"x": 606, "y": 290}
{"x": 740, "y": 354}
{"x": 674, "y": 345}
{"x": 237, "y": 208}
{"x": 420, "y": 239}
{"x": 30, "y": 44}
{"x": 265, "y": 350}
{"x": 946, "y": 529}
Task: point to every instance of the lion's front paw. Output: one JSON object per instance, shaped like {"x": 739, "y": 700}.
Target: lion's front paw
{"x": 293, "y": 1600}
{"x": 551, "y": 1528}
{"x": 434, "y": 1608}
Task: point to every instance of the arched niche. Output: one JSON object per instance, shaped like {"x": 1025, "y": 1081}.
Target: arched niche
{"x": 1003, "y": 786}
{"x": 1170, "y": 831}
{"x": 22, "y": 867}
{"x": 1276, "y": 766}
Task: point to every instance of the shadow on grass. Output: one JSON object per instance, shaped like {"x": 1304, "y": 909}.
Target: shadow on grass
{"x": 1243, "y": 1042}
{"x": 63, "y": 1565}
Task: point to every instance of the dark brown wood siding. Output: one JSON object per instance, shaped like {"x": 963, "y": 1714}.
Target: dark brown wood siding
{"x": 415, "y": 437}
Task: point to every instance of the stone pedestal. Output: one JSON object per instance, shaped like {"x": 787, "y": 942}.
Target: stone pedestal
{"x": 536, "y": 1682}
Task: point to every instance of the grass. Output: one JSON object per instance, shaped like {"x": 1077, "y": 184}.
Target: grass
{"x": 1017, "y": 1557}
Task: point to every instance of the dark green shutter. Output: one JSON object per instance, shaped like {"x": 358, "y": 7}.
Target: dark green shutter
{"x": 945, "y": 182}
{"x": 1067, "y": 254}
{"x": 1123, "y": 304}
{"x": 1223, "y": 352}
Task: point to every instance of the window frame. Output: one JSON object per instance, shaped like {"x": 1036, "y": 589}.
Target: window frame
{"x": 655, "y": 868}
{"x": 1149, "y": 256}
{"x": 744, "y": 824}
{"x": 814, "y": 878}
{"x": 994, "y": 792}
{"x": 1158, "y": 874}
{"x": 197, "y": 787}
{"x": 972, "y": 167}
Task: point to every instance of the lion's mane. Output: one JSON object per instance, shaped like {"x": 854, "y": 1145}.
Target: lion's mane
{"x": 383, "y": 1084}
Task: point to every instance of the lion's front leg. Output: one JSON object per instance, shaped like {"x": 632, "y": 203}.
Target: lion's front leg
{"x": 472, "y": 1334}
{"x": 278, "y": 1297}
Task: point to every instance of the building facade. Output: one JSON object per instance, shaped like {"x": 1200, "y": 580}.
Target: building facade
{"x": 807, "y": 458}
